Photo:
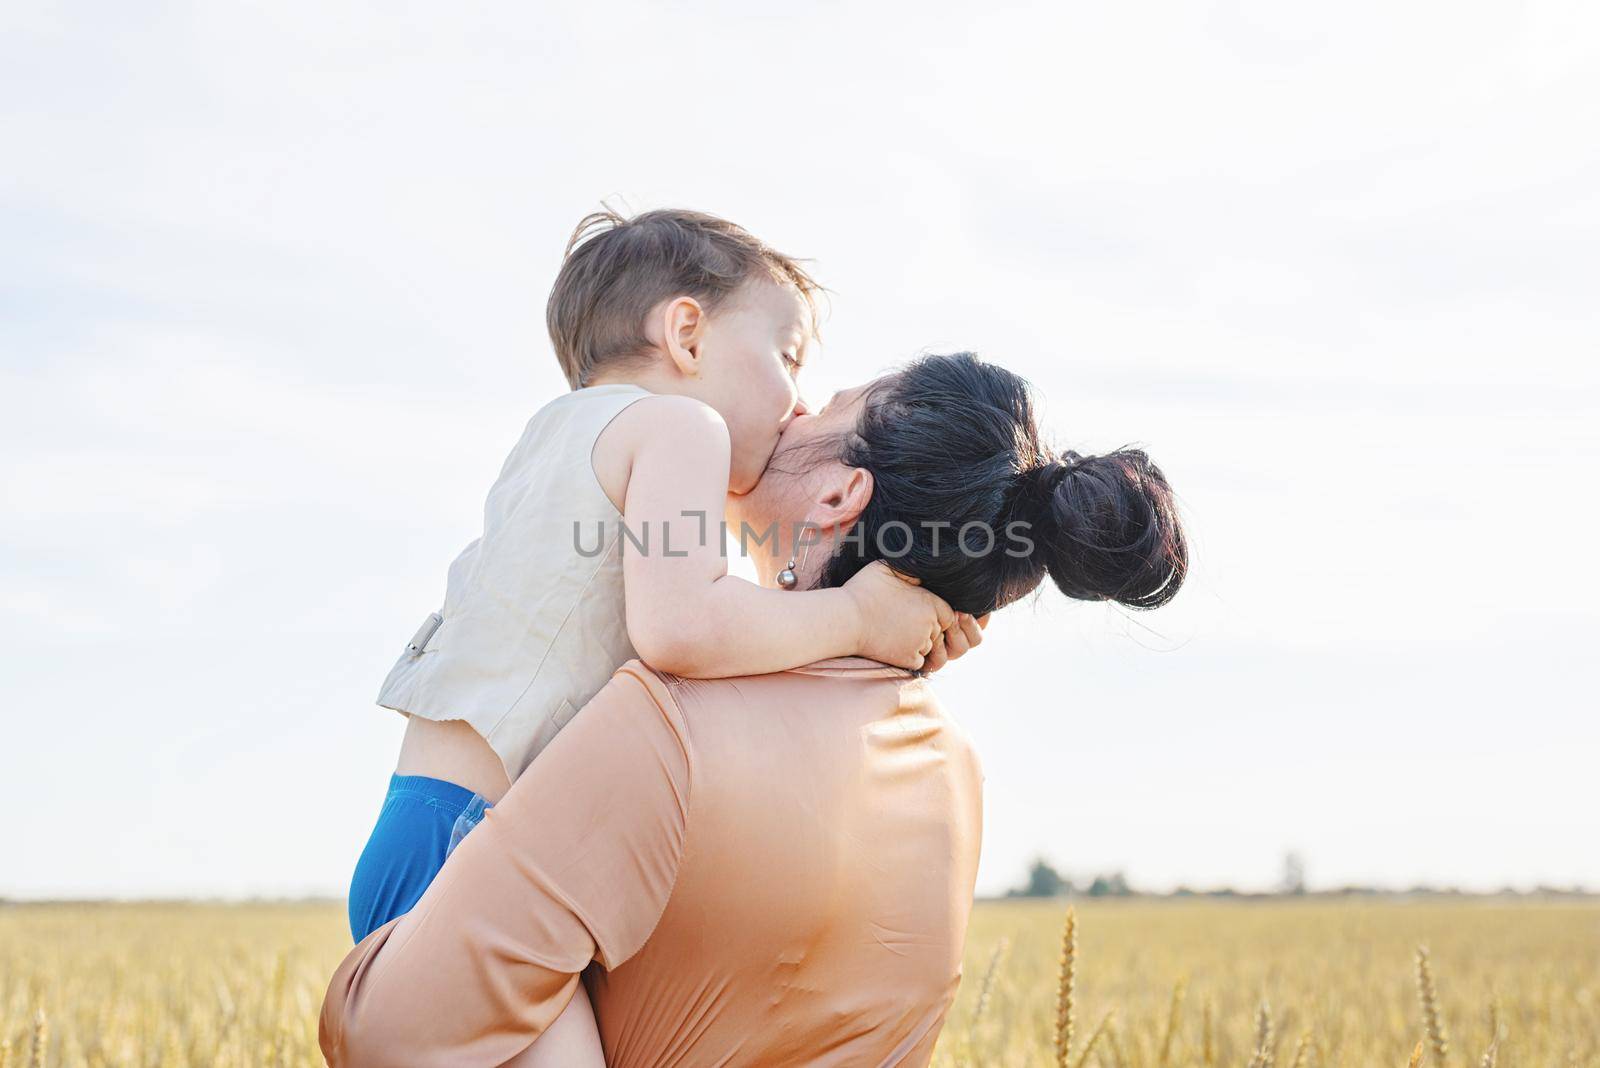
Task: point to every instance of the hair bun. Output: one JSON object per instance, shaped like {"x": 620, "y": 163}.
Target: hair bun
{"x": 1105, "y": 527}
{"x": 1036, "y": 486}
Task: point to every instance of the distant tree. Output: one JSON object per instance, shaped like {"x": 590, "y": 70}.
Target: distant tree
{"x": 1294, "y": 874}
{"x": 1045, "y": 881}
{"x": 1113, "y": 885}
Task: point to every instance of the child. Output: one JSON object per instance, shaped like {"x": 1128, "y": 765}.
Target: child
{"x": 681, "y": 335}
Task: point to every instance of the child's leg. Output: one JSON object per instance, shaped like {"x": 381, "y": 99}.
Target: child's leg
{"x": 414, "y": 833}
{"x": 573, "y": 1041}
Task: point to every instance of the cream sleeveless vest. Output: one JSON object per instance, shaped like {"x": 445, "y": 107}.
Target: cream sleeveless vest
{"x": 532, "y": 624}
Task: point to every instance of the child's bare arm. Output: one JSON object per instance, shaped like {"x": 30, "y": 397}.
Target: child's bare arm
{"x": 687, "y": 615}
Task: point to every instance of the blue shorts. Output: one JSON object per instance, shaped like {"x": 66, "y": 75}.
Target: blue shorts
{"x": 422, "y": 820}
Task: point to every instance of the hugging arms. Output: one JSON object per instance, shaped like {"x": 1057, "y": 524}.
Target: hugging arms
{"x": 773, "y": 868}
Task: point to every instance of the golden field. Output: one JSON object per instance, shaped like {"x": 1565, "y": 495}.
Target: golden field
{"x": 203, "y": 985}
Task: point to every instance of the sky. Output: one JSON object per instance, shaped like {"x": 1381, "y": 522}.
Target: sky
{"x": 272, "y": 282}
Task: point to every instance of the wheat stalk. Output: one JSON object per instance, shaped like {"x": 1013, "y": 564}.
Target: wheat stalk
{"x": 1112, "y": 1037}
{"x": 1416, "y": 1057}
{"x": 1208, "y": 1048}
{"x": 1430, "y": 1008}
{"x": 41, "y": 1039}
{"x": 1262, "y": 1057}
{"x": 1174, "y": 1011}
{"x": 1069, "y": 963}
{"x": 1094, "y": 1037}
{"x": 986, "y": 988}
{"x": 1302, "y": 1050}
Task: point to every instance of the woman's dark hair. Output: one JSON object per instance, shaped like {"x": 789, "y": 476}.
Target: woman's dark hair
{"x": 966, "y": 498}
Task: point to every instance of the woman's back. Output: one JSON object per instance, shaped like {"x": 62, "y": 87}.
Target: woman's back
{"x": 767, "y": 870}
{"x": 821, "y": 899}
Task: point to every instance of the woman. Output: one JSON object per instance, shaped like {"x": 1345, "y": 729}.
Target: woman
{"x": 775, "y": 869}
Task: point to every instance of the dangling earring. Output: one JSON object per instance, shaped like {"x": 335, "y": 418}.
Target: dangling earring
{"x": 787, "y": 579}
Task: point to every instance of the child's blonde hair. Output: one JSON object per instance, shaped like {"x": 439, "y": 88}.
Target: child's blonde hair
{"x": 617, "y": 269}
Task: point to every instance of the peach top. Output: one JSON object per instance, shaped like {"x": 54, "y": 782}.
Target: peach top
{"x": 766, "y": 870}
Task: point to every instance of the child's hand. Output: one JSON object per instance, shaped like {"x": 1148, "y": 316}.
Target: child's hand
{"x": 900, "y": 623}
{"x": 957, "y": 641}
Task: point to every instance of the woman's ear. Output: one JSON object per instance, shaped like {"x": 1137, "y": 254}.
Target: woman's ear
{"x": 683, "y": 324}
{"x": 842, "y": 500}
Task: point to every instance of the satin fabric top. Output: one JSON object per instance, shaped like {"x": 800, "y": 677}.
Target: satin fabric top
{"x": 532, "y": 623}
{"x": 765, "y": 870}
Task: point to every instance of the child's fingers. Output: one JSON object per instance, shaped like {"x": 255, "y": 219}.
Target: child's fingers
{"x": 938, "y": 656}
{"x": 965, "y": 634}
{"x": 941, "y": 607}
{"x": 956, "y": 644}
{"x": 943, "y": 612}
{"x": 905, "y": 663}
{"x": 913, "y": 661}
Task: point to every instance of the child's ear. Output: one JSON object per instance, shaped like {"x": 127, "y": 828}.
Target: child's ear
{"x": 683, "y": 323}
{"x": 842, "y": 500}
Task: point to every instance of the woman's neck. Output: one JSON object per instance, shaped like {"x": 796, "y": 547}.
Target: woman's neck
{"x": 770, "y": 552}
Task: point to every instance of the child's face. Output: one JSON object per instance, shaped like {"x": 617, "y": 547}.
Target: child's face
{"x": 800, "y": 482}
{"x": 750, "y": 358}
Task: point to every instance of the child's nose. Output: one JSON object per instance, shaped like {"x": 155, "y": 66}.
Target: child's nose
{"x": 800, "y": 407}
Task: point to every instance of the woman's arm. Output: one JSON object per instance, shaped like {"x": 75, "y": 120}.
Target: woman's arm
{"x": 493, "y": 951}
{"x": 688, "y": 616}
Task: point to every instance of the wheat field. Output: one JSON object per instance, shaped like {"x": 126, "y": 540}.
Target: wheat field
{"x": 1324, "y": 983}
